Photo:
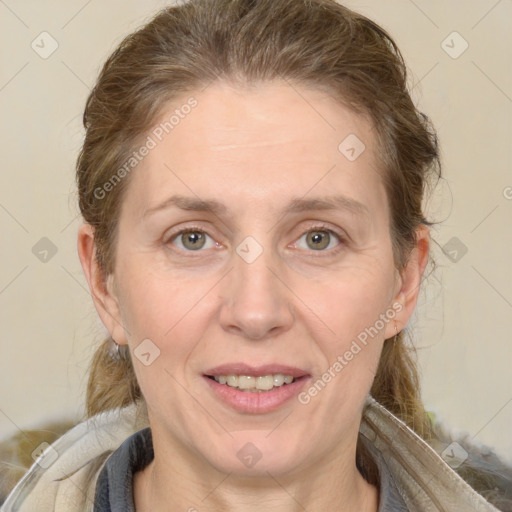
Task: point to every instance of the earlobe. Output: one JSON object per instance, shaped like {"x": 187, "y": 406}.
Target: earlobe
{"x": 409, "y": 280}
{"x": 102, "y": 288}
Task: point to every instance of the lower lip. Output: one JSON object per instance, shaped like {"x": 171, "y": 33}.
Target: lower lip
{"x": 256, "y": 403}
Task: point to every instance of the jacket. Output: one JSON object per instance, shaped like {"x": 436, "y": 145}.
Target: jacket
{"x": 63, "y": 479}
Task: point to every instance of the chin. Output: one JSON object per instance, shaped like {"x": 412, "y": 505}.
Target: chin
{"x": 255, "y": 453}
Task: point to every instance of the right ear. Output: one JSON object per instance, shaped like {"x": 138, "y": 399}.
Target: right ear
{"x": 102, "y": 288}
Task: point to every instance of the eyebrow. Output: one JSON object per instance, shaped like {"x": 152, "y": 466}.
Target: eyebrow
{"x": 337, "y": 202}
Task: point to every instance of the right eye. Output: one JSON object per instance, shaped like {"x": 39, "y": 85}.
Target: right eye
{"x": 190, "y": 239}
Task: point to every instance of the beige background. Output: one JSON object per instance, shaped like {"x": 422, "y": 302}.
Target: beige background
{"x": 463, "y": 322}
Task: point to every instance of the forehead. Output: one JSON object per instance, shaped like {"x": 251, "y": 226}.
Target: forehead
{"x": 270, "y": 115}
{"x": 272, "y": 140}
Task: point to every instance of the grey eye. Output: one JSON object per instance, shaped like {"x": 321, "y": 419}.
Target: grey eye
{"x": 191, "y": 240}
{"x": 320, "y": 239}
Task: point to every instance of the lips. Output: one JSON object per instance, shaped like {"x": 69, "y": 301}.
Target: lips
{"x": 250, "y": 401}
{"x": 255, "y": 371}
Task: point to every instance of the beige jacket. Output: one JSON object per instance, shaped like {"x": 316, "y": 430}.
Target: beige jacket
{"x": 63, "y": 479}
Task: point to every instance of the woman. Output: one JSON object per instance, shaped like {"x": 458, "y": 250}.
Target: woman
{"x": 251, "y": 183}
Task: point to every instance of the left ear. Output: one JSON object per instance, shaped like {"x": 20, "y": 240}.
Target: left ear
{"x": 408, "y": 282}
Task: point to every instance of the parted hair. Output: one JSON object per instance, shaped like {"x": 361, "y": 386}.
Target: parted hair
{"x": 314, "y": 43}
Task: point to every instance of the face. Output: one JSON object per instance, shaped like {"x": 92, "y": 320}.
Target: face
{"x": 275, "y": 259}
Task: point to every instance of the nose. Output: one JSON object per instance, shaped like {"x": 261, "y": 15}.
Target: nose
{"x": 257, "y": 303}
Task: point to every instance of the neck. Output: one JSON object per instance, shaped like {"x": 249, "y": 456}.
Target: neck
{"x": 334, "y": 484}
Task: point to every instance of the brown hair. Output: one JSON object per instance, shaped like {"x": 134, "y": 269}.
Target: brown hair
{"x": 315, "y": 43}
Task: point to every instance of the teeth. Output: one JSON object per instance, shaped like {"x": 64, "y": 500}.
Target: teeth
{"x": 232, "y": 380}
{"x": 254, "y": 384}
{"x": 278, "y": 379}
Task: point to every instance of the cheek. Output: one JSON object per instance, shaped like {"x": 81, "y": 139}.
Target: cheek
{"x": 352, "y": 299}
{"x": 355, "y": 309}
{"x": 150, "y": 300}
{"x": 357, "y": 313}
{"x": 170, "y": 312}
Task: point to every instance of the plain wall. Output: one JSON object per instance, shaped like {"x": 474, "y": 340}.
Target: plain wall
{"x": 462, "y": 325}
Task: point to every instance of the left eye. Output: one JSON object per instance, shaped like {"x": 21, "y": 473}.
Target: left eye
{"x": 319, "y": 239}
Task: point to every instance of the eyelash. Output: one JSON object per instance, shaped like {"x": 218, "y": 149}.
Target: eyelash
{"x": 319, "y": 227}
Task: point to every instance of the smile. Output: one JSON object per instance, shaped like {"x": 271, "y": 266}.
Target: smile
{"x": 249, "y": 383}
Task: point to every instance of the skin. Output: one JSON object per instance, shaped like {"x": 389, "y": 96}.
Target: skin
{"x": 255, "y": 150}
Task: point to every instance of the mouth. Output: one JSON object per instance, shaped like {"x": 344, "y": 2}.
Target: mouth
{"x": 255, "y": 384}
{"x": 255, "y": 390}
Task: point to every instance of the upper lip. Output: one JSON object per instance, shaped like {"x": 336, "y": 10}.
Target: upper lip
{"x": 255, "y": 371}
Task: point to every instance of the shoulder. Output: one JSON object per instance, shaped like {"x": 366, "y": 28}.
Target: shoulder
{"x": 425, "y": 481}
{"x": 116, "y": 479}
{"x": 479, "y": 465}
{"x": 64, "y": 476}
